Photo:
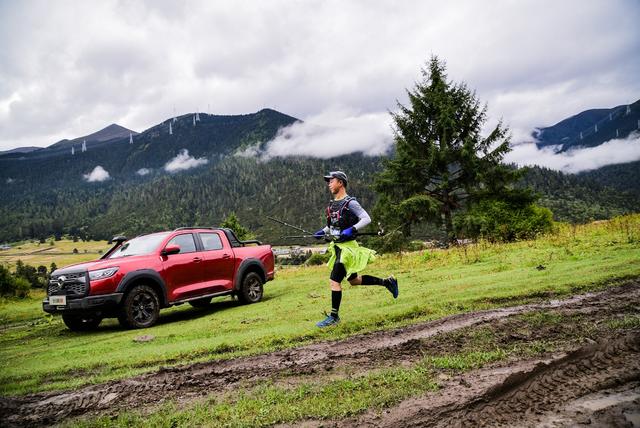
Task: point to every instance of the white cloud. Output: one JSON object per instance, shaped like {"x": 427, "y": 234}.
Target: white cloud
{"x": 183, "y": 161}
{"x": 334, "y": 132}
{"x": 579, "y": 159}
{"x": 10, "y": 180}
{"x": 249, "y": 152}
{"x": 143, "y": 171}
{"x": 98, "y": 174}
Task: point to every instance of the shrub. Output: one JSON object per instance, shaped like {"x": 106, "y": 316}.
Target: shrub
{"x": 501, "y": 221}
{"x": 317, "y": 259}
{"x": 12, "y": 286}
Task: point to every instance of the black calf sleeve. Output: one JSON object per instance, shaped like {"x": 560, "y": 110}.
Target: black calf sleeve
{"x": 336, "y": 297}
{"x": 372, "y": 280}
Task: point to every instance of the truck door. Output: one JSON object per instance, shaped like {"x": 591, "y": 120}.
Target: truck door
{"x": 219, "y": 263}
{"x": 183, "y": 271}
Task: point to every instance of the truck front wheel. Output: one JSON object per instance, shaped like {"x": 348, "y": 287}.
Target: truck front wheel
{"x": 81, "y": 322}
{"x": 140, "y": 308}
{"x": 251, "y": 289}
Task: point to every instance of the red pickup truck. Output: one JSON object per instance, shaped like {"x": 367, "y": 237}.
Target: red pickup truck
{"x": 137, "y": 277}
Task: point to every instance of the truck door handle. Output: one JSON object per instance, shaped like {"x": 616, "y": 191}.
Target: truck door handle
{"x": 197, "y": 259}
{"x": 226, "y": 256}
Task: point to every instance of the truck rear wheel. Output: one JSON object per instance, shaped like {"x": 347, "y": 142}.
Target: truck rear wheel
{"x": 81, "y": 322}
{"x": 140, "y": 308}
{"x": 251, "y": 289}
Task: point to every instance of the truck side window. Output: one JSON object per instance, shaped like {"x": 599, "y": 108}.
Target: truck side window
{"x": 211, "y": 241}
{"x": 185, "y": 242}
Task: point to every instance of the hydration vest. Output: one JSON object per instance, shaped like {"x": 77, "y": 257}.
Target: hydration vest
{"x": 340, "y": 217}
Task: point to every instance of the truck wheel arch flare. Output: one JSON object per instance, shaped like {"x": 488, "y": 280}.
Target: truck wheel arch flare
{"x": 131, "y": 278}
{"x": 248, "y": 265}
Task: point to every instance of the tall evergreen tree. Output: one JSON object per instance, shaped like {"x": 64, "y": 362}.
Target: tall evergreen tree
{"x": 442, "y": 163}
{"x": 232, "y": 222}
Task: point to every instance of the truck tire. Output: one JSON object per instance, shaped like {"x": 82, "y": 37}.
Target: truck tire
{"x": 81, "y": 322}
{"x": 201, "y": 303}
{"x": 140, "y": 308}
{"x": 251, "y": 288}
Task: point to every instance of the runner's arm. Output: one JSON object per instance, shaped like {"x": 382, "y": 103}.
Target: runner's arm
{"x": 357, "y": 209}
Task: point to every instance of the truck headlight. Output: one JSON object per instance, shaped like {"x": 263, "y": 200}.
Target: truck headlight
{"x": 102, "y": 273}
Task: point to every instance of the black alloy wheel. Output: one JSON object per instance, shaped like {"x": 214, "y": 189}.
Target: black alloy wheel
{"x": 251, "y": 289}
{"x": 141, "y": 308}
{"x": 81, "y": 322}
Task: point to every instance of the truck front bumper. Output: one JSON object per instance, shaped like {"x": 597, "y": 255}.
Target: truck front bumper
{"x": 99, "y": 303}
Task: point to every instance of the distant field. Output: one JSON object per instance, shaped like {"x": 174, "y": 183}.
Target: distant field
{"x": 38, "y": 353}
{"x": 35, "y": 253}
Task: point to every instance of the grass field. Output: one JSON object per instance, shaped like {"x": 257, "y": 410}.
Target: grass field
{"x": 61, "y": 252}
{"x": 38, "y": 353}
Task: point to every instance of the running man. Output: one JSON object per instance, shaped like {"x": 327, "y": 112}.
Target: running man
{"x": 345, "y": 217}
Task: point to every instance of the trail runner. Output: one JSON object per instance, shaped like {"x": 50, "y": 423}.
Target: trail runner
{"x": 345, "y": 217}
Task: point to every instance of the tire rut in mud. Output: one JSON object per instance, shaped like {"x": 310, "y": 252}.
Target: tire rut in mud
{"x": 199, "y": 380}
{"x": 525, "y": 397}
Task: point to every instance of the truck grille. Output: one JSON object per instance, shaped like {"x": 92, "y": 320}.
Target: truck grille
{"x": 68, "y": 283}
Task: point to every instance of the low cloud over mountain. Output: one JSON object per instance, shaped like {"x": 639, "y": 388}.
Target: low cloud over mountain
{"x": 183, "y": 161}
{"x": 334, "y": 132}
{"x": 614, "y": 151}
{"x": 98, "y": 174}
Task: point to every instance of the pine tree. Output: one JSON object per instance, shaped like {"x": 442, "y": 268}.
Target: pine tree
{"x": 232, "y": 222}
{"x": 442, "y": 163}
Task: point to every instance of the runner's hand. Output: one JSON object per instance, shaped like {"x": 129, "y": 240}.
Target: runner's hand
{"x": 348, "y": 233}
{"x": 319, "y": 234}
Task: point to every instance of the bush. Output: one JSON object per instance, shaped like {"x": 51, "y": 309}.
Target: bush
{"x": 501, "y": 221}
{"x": 11, "y": 286}
{"x": 232, "y": 222}
{"x": 317, "y": 259}
{"x": 21, "y": 288}
{"x": 392, "y": 242}
{"x": 30, "y": 273}
{"x": 296, "y": 257}
{"x": 417, "y": 246}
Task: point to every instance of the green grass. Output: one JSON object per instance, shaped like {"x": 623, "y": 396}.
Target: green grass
{"x": 38, "y": 353}
{"x": 626, "y": 322}
{"x": 269, "y": 404}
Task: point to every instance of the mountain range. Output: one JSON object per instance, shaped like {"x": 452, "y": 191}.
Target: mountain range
{"x": 590, "y": 128}
{"x": 187, "y": 171}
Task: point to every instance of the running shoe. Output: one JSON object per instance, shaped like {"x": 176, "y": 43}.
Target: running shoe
{"x": 328, "y": 321}
{"x": 392, "y": 286}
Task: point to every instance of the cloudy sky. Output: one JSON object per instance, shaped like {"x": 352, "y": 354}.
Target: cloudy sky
{"x": 69, "y": 68}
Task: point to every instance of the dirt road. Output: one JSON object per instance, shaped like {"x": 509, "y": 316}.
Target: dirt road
{"x": 585, "y": 379}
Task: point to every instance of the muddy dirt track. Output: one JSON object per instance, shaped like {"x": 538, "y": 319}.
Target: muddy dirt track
{"x": 586, "y": 381}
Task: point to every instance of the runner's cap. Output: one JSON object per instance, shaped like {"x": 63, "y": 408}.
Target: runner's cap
{"x": 337, "y": 174}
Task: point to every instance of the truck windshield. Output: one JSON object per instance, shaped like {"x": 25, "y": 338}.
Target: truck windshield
{"x": 139, "y": 246}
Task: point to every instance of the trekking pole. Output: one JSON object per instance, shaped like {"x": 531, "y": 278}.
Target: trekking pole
{"x": 380, "y": 232}
{"x": 290, "y": 225}
{"x": 325, "y": 237}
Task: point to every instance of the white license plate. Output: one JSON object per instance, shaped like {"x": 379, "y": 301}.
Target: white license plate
{"x": 58, "y": 300}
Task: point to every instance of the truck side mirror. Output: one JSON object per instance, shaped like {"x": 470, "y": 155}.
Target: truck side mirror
{"x": 170, "y": 249}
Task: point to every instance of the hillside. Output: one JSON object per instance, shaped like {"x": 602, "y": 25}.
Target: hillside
{"x": 20, "y": 150}
{"x": 49, "y": 192}
{"x": 591, "y": 127}
{"x": 580, "y": 198}
{"x": 622, "y": 177}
